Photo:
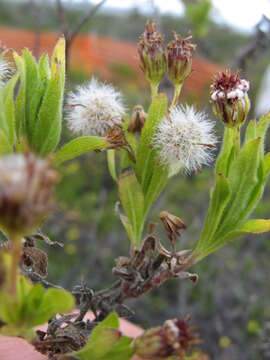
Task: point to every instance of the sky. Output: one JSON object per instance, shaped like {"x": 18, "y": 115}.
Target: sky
{"x": 241, "y": 14}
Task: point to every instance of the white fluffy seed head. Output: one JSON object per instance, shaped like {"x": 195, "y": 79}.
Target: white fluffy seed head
{"x": 94, "y": 109}
{"x": 4, "y": 71}
{"x": 185, "y": 138}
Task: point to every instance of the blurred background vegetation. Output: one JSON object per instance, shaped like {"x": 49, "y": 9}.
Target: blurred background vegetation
{"x": 230, "y": 304}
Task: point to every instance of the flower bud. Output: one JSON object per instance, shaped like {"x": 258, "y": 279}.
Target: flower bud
{"x": 179, "y": 53}
{"x": 230, "y": 99}
{"x": 173, "y": 340}
{"x": 26, "y": 185}
{"x": 152, "y": 56}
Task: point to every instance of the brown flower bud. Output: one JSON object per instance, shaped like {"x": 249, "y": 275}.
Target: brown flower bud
{"x": 173, "y": 340}
{"x": 138, "y": 119}
{"x": 179, "y": 54}
{"x": 230, "y": 99}
{"x": 26, "y": 186}
{"x": 172, "y": 224}
{"x": 152, "y": 56}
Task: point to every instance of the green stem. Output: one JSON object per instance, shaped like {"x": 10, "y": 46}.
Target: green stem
{"x": 177, "y": 92}
{"x": 154, "y": 89}
{"x": 15, "y": 261}
{"x": 237, "y": 140}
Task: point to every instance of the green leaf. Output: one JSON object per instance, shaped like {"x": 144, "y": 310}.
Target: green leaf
{"x": 31, "y": 84}
{"x": 125, "y": 222}
{"x": 266, "y": 165}
{"x": 54, "y": 301}
{"x": 132, "y": 200}
{"x": 111, "y": 164}
{"x": 253, "y": 226}
{"x": 44, "y": 70}
{"x": 20, "y": 101}
{"x": 5, "y": 147}
{"x": 219, "y": 200}
{"x": 243, "y": 179}
{"x": 145, "y": 158}
{"x": 157, "y": 184}
{"x": 48, "y": 126}
{"x": 8, "y": 106}
{"x": 226, "y": 154}
{"x": 261, "y": 129}
{"x": 79, "y": 146}
{"x": 251, "y": 131}
{"x": 32, "y": 306}
{"x": 106, "y": 342}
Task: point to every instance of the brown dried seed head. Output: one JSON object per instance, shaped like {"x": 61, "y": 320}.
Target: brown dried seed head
{"x": 116, "y": 138}
{"x": 172, "y": 224}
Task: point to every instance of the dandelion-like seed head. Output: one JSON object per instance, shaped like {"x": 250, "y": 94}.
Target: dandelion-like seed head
{"x": 4, "y": 71}
{"x": 185, "y": 137}
{"x": 94, "y": 109}
{"x": 26, "y": 186}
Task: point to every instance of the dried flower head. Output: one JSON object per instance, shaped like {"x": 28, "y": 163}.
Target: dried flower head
{"x": 185, "y": 138}
{"x": 94, "y": 109}
{"x": 179, "y": 54}
{"x": 173, "y": 224}
{"x": 152, "y": 56}
{"x": 138, "y": 119}
{"x": 26, "y": 185}
{"x": 4, "y": 71}
{"x": 230, "y": 99}
{"x": 172, "y": 340}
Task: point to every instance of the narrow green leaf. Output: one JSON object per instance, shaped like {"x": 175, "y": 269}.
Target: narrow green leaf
{"x": 253, "y": 226}
{"x": 79, "y": 146}
{"x": 243, "y": 179}
{"x": 251, "y": 131}
{"x": 20, "y": 101}
{"x": 226, "y": 154}
{"x": 48, "y": 126}
{"x": 132, "y": 200}
{"x": 219, "y": 200}
{"x": 266, "y": 165}
{"x": 111, "y": 164}
{"x": 44, "y": 70}
{"x": 9, "y": 109}
{"x": 5, "y": 147}
{"x": 157, "y": 184}
{"x": 261, "y": 129}
{"x": 31, "y": 84}
{"x": 145, "y": 153}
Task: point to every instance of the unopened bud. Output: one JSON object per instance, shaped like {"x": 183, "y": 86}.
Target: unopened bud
{"x": 138, "y": 119}
{"x": 152, "y": 56}
{"x": 26, "y": 186}
{"x": 179, "y": 53}
{"x": 172, "y": 340}
{"x": 229, "y": 96}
